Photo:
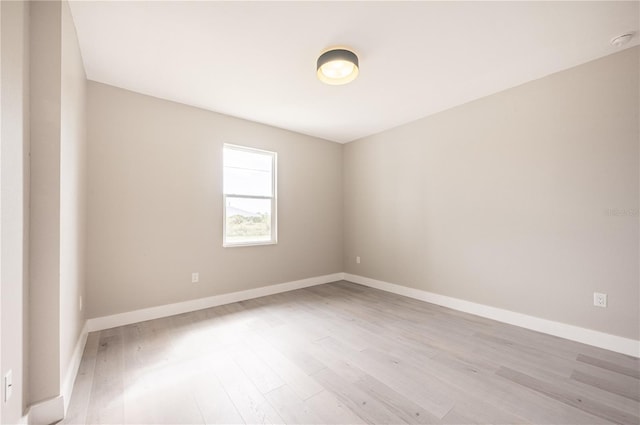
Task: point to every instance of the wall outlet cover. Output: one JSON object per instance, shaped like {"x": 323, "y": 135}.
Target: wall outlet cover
{"x": 599, "y": 299}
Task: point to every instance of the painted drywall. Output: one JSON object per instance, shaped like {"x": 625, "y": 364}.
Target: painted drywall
{"x": 14, "y": 125}
{"x": 57, "y": 193}
{"x": 526, "y": 200}
{"x": 72, "y": 189}
{"x": 155, "y": 204}
{"x": 44, "y": 254}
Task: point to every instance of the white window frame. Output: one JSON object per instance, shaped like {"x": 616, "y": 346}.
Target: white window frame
{"x": 273, "y": 198}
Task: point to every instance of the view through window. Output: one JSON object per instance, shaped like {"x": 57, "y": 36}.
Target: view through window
{"x": 249, "y": 196}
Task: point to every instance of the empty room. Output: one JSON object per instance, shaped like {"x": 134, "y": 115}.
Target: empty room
{"x": 320, "y": 212}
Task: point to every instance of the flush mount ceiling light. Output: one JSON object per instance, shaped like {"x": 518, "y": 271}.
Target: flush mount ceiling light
{"x": 337, "y": 66}
{"x": 621, "y": 40}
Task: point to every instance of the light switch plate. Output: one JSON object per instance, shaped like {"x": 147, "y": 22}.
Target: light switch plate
{"x": 8, "y": 385}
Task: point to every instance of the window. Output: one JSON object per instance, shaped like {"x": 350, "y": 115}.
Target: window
{"x": 249, "y": 196}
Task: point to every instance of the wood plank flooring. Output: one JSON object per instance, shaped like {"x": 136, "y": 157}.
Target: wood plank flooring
{"x": 346, "y": 354}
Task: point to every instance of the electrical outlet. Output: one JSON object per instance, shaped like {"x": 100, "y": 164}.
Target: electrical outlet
{"x": 80, "y": 303}
{"x": 195, "y": 277}
{"x": 357, "y": 260}
{"x": 8, "y": 385}
{"x": 599, "y": 300}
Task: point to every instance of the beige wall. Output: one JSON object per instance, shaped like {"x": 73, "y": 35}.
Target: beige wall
{"x": 14, "y": 125}
{"x": 43, "y": 204}
{"x": 73, "y": 178}
{"x": 503, "y": 201}
{"x": 155, "y": 204}
{"x": 44, "y": 255}
{"x": 57, "y": 189}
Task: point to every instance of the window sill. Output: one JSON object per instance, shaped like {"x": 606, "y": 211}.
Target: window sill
{"x": 241, "y": 244}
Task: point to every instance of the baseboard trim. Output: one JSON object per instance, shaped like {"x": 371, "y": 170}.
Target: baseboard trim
{"x": 599, "y": 339}
{"x": 107, "y": 322}
{"x": 46, "y": 412}
{"x": 74, "y": 365}
{"x": 55, "y": 409}
{"x": 607, "y": 341}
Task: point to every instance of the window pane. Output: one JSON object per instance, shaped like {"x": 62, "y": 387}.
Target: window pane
{"x": 248, "y": 220}
{"x": 243, "y": 159}
{"x": 242, "y": 181}
{"x": 247, "y": 173}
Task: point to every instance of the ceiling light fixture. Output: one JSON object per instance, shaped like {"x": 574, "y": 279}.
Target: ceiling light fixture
{"x": 337, "y": 66}
{"x": 621, "y": 40}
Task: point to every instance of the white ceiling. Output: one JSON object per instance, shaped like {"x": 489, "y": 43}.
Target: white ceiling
{"x": 256, "y": 60}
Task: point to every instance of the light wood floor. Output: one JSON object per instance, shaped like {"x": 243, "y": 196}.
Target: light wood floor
{"x": 346, "y": 354}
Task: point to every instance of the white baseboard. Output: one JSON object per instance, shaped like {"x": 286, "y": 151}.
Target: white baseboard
{"x": 74, "y": 365}
{"x": 46, "y": 412}
{"x": 106, "y": 322}
{"x": 607, "y": 341}
{"x": 55, "y": 409}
